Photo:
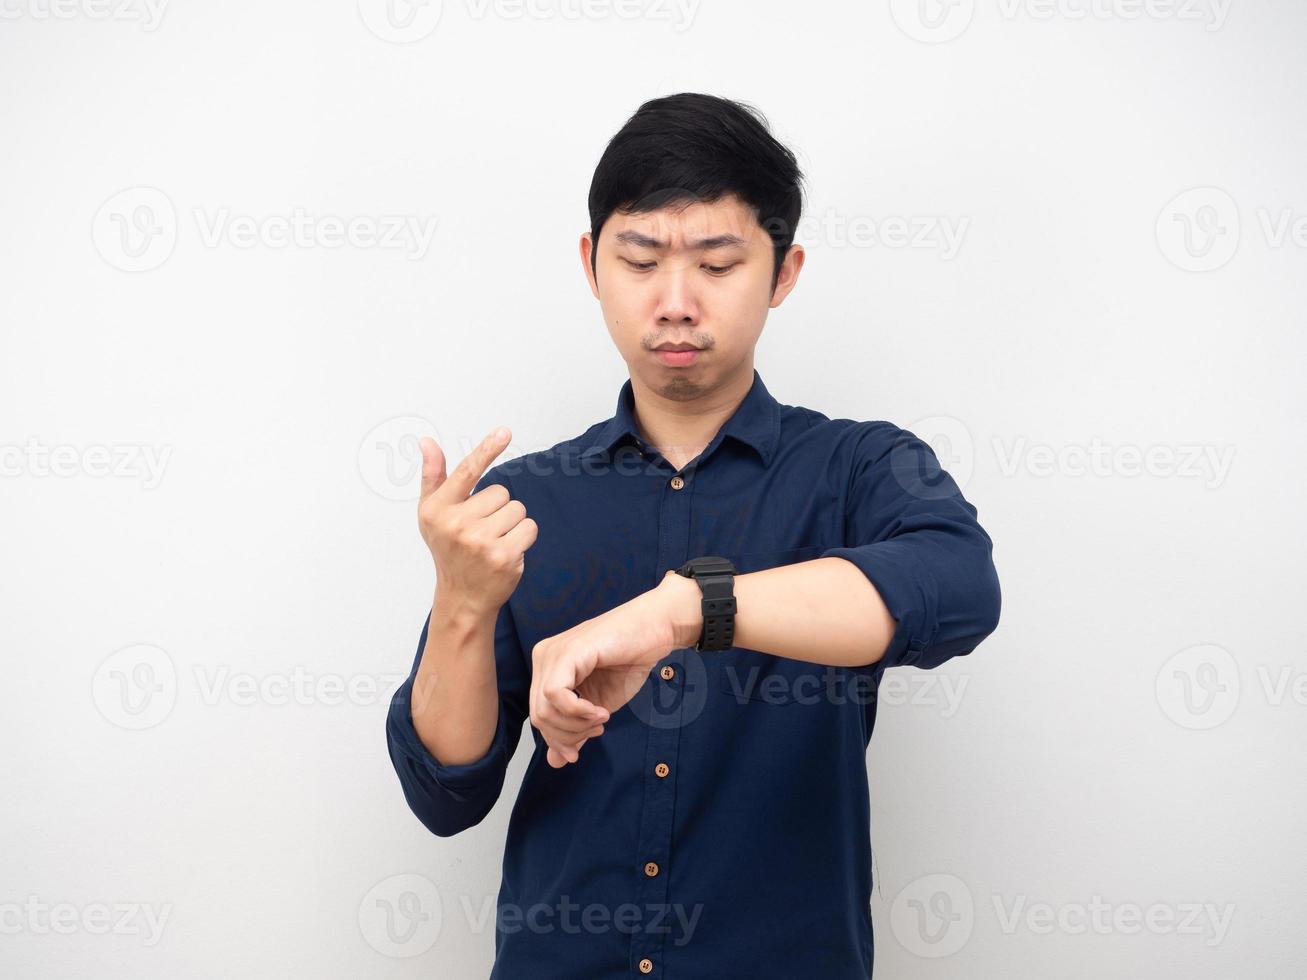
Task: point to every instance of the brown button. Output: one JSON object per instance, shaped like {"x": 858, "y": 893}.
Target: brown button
{"x": 651, "y": 869}
{"x": 677, "y": 483}
{"x": 662, "y": 769}
{"x": 667, "y": 673}
{"x": 646, "y": 965}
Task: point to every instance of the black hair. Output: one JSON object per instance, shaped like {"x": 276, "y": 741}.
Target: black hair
{"x": 693, "y": 147}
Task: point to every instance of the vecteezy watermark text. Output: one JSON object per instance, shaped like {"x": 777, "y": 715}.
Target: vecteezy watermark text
{"x": 137, "y": 687}
{"x": 148, "y": 13}
{"x": 940, "y": 233}
{"x": 407, "y": 21}
{"x": 300, "y": 229}
{"x": 136, "y": 230}
{"x": 39, "y": 918}
{"x": 403, "y": 915}
{"x": 35, "y": 459}
{"x": 1202, "y": 229}
{"x": 1201, "y": 686}
{"x": 934, "y": 916}
{"x": 939, "y": 21}
{"x": 1208, "y": 463}
{"x": 593, "y": 918}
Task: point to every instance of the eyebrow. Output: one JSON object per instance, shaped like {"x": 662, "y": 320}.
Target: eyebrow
{"x": 644, "y": 241}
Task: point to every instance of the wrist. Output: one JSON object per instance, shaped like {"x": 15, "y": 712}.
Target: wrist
{"x": 458, "y": 611}
{"x": 684, "y": 605}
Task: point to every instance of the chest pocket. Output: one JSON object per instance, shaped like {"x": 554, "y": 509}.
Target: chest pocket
{"x": 748, "y": 677}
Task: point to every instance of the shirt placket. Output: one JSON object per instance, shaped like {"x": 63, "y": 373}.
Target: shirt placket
{"x": 659, "y": 770}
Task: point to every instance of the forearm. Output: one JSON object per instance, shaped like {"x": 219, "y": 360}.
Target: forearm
{"x": 455, "y": 700}
{"x": 823, "y": 611}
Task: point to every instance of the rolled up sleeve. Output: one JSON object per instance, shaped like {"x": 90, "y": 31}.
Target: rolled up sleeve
{"x": 911, "y": 532}
{"x": 451, "y": 798}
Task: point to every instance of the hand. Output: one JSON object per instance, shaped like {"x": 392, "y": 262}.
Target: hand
{"x": 581, "y": 676}
{"x": 478, "y": 542}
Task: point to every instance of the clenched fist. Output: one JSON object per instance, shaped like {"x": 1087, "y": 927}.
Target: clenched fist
{"x": 478, "y": 542}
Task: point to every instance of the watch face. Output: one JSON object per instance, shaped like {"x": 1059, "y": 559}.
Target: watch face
{"x": 709, "y": 565}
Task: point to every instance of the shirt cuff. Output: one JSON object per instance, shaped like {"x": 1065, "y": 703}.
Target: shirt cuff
{"x": 907, "y": 590}
{"x": 463, "y": 782}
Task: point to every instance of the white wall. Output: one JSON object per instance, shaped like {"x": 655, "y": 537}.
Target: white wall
{"x": 1129, "y": 738}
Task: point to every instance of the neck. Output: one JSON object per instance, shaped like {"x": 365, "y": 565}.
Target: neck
{"x": 680, "y": 422}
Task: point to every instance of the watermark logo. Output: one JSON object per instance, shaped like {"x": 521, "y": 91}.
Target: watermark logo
{"x": 1198, "y": 688}
{"x": 938, "y": 21}
{"x": 390, "y": 459}
{"x": 401, "y": 916}
{"x": 138, "y": 686}
{"x": 1202, "y": 229}
{"x": 135, "y": 687}
{"x": 675, "y": 694}
{"x": 1202, "y": 686}
{"x": 932, "y": 21}
{"x": 135, "y": 230}
{"x": 941, "y": 471}
{"x": 933, "y": 916}
{"x": 1198, "y": 230}
{"x": 954, "y": 457}
{"x": 401, "y": 21}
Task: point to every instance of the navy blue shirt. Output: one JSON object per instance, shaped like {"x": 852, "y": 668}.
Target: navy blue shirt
{"x": 720, "y": 826}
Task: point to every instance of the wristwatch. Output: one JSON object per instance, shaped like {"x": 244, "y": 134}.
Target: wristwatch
{"x": 716, "y": 578}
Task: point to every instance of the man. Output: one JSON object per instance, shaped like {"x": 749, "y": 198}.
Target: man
{"x": 696, "y": 806}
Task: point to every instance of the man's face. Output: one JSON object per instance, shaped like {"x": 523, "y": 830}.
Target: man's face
{"x": 698, "y": 274}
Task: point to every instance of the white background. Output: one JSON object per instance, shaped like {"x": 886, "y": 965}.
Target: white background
{"x": 197, "y": 652}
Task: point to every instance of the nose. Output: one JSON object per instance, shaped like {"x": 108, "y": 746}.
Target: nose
{"x": 677, "y": 303}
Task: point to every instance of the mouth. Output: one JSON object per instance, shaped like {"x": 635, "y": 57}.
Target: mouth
{"x": 677, "y": 355}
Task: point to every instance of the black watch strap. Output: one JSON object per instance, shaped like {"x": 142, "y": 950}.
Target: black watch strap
{"x": 716, "y": 578}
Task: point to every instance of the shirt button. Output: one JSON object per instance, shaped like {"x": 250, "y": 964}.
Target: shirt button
{"x": 667, "y": 673}
{"x": 677, "y": 483}
{"x": 651, "y": 869}
{"x": 662, "y": 769}
{"x": 646, "y": 965}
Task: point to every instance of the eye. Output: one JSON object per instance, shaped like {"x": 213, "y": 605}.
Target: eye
{"x": 640, "y": 266}
{"x": 719, "y": 270}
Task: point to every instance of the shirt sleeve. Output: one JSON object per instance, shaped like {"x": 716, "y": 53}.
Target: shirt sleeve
{"x": 449, "y": 799}
{"x": 909, "y": 530}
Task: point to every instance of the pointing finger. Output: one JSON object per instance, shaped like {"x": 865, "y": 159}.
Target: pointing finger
{"x": 464, "y": 479}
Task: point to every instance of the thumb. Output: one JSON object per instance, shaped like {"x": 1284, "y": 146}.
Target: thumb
{"x": 433, "y": 466}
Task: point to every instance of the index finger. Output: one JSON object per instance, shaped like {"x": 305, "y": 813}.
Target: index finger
{"x": 463, "y": 480}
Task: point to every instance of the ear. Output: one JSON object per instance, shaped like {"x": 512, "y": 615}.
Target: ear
{"x": 788, "y": 275}
{"x": 587, "y": 246}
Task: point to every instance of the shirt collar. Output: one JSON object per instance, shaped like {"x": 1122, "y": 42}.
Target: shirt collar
{"x": 755, "y": 422}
